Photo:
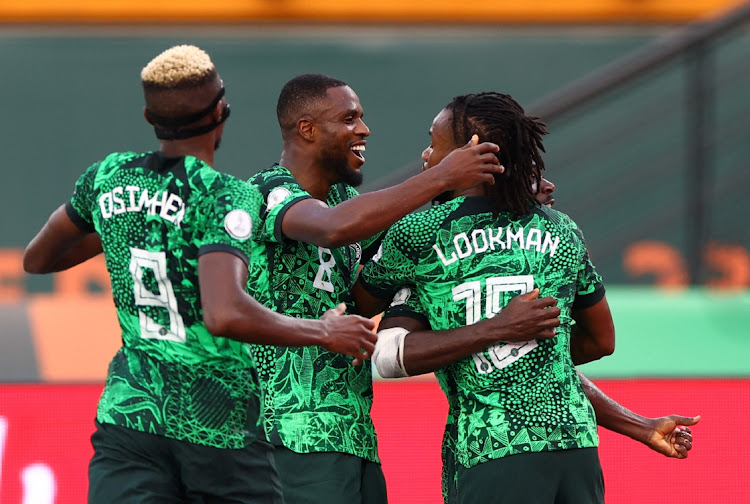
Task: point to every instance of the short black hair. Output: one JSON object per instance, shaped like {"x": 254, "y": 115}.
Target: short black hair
{"x": 299, "y": 93}
{"x": 498, "y": 118}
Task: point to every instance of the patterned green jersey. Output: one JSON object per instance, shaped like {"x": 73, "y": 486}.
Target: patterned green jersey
{"x": 155, "y": 215}
{"x": 464, "y": 264}
{"x": 314, "y": 400}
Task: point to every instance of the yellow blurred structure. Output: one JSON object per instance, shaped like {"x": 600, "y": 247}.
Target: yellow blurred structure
{"x": 390, "y": 11}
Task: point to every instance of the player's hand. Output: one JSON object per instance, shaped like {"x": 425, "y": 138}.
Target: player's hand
{"x": 527, "y": 317}
{"x": 469, "y": 165}
{"x": 349, "y": 334}
{"x": 671, "y": 435}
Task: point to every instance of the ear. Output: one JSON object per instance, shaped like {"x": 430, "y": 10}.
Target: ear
{"x": 145, "y": 115}
{"x": 306, "y": 128}
{"x": 218, "y": 110}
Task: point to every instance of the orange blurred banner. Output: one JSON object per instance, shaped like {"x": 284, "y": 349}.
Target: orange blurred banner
{"x": 441, "y": 11}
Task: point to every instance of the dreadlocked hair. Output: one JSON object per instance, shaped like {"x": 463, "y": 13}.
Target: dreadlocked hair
{"x": 498, "y": 118}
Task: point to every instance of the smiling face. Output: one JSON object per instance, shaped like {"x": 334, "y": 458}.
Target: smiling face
{"x": 342, "y": 135}
{"x": 441, "y": 140}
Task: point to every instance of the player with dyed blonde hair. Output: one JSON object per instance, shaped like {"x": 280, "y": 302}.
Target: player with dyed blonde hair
{"x": 178, "y": 420}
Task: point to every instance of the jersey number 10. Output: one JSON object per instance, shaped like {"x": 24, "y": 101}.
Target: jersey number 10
{"x": 502, "y": 354}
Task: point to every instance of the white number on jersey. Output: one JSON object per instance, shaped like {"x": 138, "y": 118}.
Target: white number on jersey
{"x": 141, "y": 260}
{"x": 325, "y": 271}
{"x": 502, "y": 354}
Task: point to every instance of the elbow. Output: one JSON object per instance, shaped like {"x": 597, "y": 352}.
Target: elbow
{"x": 606, "y": 346}
{"x": 606, "y": 349}
{"x": 33, "y": 264}
{"x": 339, "y": 236}
{"x": 218, "y": 322}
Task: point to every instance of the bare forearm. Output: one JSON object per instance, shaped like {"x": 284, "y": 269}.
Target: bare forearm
{"x": 428, "y": 351}
{"x": 370, "y": 213}
{"x": 59, "y": 245}
{"x": 613, "y": 416}
{"x": 248, "y": 321}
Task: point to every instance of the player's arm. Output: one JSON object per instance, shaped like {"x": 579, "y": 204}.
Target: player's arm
{"x": 593, "y": 335}
{"x": 408, "y": 345}
{"x": 312, "y": 221}
{"x": 230, "y": 312}
{"x": 667, "y": 435}
{"x": 60, "y": 245}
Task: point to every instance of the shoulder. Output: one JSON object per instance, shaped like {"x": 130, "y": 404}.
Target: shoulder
{"x": 418, "y": 228}
{"x": 113, "y": 161}
{"x": 276, "y": 175}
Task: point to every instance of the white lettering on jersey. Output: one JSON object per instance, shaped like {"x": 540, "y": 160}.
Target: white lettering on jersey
{"x": 484, "y": 240}
{"x": 121, "y": 200}
{"x": 325, "y": 271}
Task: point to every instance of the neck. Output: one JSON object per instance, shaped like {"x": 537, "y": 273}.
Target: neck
{"x": 303, "y": 164}
{"x": 476, "y": 190}
{"x": 201, "y": 150}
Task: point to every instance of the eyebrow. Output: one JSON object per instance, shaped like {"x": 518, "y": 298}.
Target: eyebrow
{"x": 353, "y": 112}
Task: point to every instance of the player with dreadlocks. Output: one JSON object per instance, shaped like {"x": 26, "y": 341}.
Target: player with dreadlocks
{"x": 520, "y": 427}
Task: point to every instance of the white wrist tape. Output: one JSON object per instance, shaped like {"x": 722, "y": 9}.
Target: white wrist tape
{"x": 389, "y": 353}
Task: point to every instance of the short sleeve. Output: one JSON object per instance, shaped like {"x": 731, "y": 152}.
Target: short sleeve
{"x": 406, "y": 303}
{"x": 279, "y": 191}
{"x": 81, "y": 206}
{"x": 230, "y": 218}
{"x": 589, "y": 284}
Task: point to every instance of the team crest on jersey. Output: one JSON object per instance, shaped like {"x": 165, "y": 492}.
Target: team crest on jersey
{"x": 238, "y": 224}
{"x": 276, "y": 196}
{"x": 401, "y": 297}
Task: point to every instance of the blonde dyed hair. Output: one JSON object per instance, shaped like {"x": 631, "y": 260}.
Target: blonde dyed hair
{"x": 182, "y": 66}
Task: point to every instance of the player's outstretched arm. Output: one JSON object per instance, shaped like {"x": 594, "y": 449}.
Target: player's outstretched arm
{"x": 59, "y": 245}
{"x": 593, "y": 335}
{"x": 313, "y": 221}
{"x": 230, "y": 312}
{"x": 525, "y": 317}
{"x": 668, "y": 435}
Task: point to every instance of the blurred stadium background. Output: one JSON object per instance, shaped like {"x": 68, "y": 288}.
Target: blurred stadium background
{"x": 648, "y": 107}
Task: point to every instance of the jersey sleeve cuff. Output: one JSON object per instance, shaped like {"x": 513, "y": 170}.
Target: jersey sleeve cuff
{"x": 280, "y": 217}
{"x": 589, "y": 300}
{"x": 79, "y": 221}
{"x": 377, "y": 291}
{"x": 405, "y": 311}
{"x": 219, "y": 247}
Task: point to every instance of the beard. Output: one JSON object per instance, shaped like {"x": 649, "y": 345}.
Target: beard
{"x": 337, "y": 165}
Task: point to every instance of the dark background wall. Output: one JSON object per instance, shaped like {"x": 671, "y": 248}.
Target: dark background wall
{"x": 70, "y": 97}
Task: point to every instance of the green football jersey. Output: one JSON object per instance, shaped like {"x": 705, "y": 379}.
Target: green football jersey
{"x": 314, "y": 400}
{"x": 156, "y": 215}
{"x": 464, "y": 264}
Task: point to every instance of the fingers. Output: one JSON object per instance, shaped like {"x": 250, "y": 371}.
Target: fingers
{"x": 546, "y": 334}
{"x": 531, "y": 295}
{"x": 485, "y": 147}
{"x": 473, "y": 141}
{"x": 339, "y": 310}
{"x": 546, "y": 302}
{"x": 681, "y": 451}
{"x": 681, "y": 420}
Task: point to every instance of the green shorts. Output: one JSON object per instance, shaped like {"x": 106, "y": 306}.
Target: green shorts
{"x": 329, "y": 478}
{"x": 138, "y": 468}
{"x": 555, "y": 477}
